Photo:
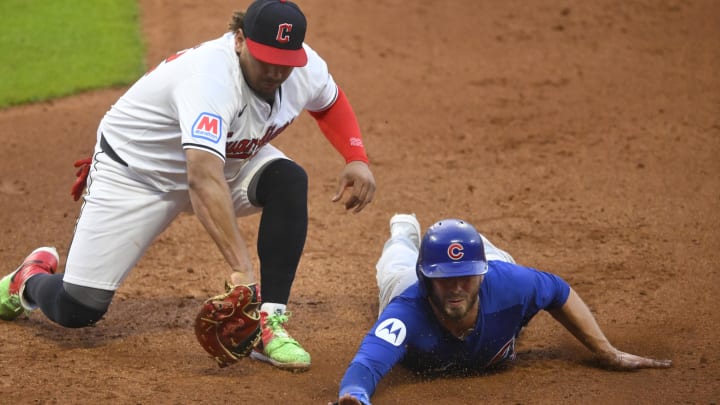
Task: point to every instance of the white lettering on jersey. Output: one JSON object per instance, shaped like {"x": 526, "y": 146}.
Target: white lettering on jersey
{"x": 207, "y": 126}
{"x": 392, "y": 331}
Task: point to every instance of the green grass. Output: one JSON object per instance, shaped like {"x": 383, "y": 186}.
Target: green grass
{"x": 54, "y": 48}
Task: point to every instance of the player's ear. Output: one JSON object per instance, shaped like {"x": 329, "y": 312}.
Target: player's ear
{"x": 239, "y": 39}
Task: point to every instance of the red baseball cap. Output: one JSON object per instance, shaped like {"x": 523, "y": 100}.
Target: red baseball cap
{"x": 275, "y": 31}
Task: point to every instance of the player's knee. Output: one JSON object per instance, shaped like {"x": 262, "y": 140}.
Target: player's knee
{"x": 72, "y": 312}
{"x": 281, "y": 180}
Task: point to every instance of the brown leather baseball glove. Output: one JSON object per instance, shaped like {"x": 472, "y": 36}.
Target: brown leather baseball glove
{"x": 228, "y": 325}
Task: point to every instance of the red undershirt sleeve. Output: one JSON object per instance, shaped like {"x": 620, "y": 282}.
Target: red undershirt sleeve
{"x": 340, "y": 126}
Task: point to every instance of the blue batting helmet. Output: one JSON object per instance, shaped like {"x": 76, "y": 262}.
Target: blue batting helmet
{"x": 451, "y": 248}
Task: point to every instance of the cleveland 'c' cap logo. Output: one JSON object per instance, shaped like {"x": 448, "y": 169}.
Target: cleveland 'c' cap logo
{"x": 283, "y": 33}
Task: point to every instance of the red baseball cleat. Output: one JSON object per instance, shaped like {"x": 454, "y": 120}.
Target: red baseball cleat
{"x": 42, "y": 260}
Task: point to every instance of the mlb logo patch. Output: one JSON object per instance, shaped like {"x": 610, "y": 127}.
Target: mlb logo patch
{"x": 208, "y": 127}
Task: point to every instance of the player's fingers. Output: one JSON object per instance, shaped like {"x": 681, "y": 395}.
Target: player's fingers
{"x": 368, "y": 193}
{"x": 356, "y": 198}
{"x": 359, "y": 207}
{"x": 348, "y": 399}
{"x": 365, "y": 193}
{"x": 662, "y": 363}
{"x": 364, "y": 198}
{"x": 643, "y": 362}
{"x": 342, "y": 185}
{"x": 362, "y": 193}
{"x": 371, "y": 192}
{"x": 351, "y": 203}
{"x": 627, "y": 361}
{"x": 358, "y": 195}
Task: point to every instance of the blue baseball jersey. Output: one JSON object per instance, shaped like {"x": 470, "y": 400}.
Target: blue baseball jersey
{"x": 408, "y": 332}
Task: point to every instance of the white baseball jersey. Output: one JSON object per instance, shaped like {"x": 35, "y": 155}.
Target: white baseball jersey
{"x": 199, "y": 99}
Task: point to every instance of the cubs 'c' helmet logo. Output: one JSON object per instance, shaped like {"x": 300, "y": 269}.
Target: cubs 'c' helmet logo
{"x": 283, "y": 33}
{"x": 455, "y": 251}
{"x": 450, "y": 248}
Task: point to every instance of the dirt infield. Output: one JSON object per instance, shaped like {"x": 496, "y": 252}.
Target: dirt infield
{"x": 583, "y": 138}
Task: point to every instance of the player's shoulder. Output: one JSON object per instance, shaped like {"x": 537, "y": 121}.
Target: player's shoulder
{"x": 215, "y": 50}
{"x": 216, "y": 60}
{"x": 408, "y": 319}
{"x": 502, "y": 273}
{"x": 506, "y": 268}
{"x": 316, "y": 65}
{"x": 507, "y": 279}
{"x": 312, "y": 54}
{"x": 411, "y": 304}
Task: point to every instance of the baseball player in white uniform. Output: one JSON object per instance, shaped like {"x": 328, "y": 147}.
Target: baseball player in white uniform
{"x": 194, "y": 134}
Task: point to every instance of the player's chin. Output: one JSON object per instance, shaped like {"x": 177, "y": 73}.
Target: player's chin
{"x": 265, "y": 95}
{"x": 267, "y": 89}
{"x": 456, "y": 310}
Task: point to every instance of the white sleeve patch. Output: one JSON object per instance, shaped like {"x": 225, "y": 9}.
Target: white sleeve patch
{"x": 391, "y": 330}
{"x": 208, "y": 127}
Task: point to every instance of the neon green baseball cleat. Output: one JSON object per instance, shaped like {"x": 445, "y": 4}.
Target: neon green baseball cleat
{"x": 277, "y": 347}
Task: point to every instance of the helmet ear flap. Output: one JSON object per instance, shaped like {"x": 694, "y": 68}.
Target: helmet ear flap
{"x": 422, "y": 281}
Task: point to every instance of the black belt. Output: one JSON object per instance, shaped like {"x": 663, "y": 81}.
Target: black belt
{"x": 109, "y": 151}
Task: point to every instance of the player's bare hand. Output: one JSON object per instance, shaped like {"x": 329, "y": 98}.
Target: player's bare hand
{"x": 346, "y": 399}
{"x": 356, "y": 175}
{"x": 625, "y": 361}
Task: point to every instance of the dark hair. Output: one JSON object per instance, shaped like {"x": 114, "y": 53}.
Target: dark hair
{"x": 237, "y": 21}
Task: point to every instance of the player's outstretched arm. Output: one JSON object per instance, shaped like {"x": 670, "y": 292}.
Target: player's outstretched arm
{"x": 577, "y": 318}
{"x": 212, "y": 203}
{"x": 356, "y": 175}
